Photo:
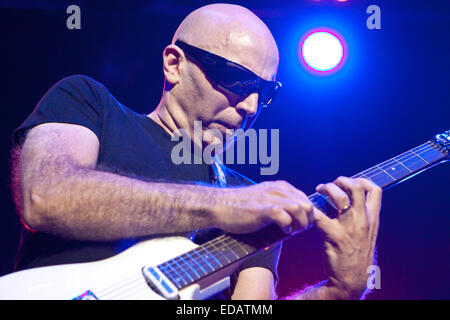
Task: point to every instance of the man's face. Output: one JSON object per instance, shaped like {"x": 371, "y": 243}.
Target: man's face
{"x": 218, "y": 108}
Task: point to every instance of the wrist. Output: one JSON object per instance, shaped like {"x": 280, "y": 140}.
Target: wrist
{"x": 337, "y": 291}
{"x": 326, "y": 290}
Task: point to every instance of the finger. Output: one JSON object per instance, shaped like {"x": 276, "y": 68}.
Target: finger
{"x": 287, "y": 190}
{"x": 354, "y": 190}
{"x": 280, "y": 217}
{"x": 297, "y": 204}
{"x": 339, "y": 198}
{"x": 327, "y": 226}
{"x": 373, "y": 199}
{"x": 301, "y": 212}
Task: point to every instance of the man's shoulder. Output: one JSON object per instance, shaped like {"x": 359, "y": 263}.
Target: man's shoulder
{"x": 81, "y": 84}
{"x": 85, "y": 86}
{"x": 79, "y": 79}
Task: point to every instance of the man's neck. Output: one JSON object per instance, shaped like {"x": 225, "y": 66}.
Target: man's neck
{"x": 163, "y": 118}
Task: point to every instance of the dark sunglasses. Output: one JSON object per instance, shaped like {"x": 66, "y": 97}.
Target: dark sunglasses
{"x": 232, "y": 76}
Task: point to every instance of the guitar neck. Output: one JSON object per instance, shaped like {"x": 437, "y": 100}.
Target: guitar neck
{"x": 228, "y": 249}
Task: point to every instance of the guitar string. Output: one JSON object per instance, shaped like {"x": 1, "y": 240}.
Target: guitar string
{"x": 207, "y": 246}
{"x": 212, "y": 244}
{"x": 123, "y": 283}
{"x": 139, "y": 286}
{"x": 118, "y": 289}
{"x": 320, "y": 200}
{"x": 211, "y": 249}
{"x": 104, "y": 293}
{"x": 138, "y": 278}
{"x": 400, "y": 158}
{"x": 378, "y": 171}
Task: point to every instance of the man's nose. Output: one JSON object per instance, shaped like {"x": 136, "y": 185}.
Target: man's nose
{"x": 249, "y": 105}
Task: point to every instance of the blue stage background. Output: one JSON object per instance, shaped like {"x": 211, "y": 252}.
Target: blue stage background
{"x": 391, "y": 95}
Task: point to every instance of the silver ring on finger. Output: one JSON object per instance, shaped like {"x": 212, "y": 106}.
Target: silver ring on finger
{"x": 345, "y": 209}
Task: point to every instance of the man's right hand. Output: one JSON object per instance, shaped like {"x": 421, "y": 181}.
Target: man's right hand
{"x": 251, "y": 208}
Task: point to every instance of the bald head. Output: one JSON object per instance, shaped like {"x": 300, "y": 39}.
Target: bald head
{"x": 233, "y": 32}
{"x": 189, "y": 95}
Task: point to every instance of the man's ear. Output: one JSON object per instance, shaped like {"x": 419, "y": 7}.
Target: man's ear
{"x": 172, "y": 59}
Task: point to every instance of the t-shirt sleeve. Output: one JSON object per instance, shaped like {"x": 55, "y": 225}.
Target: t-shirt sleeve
{"x": 267, "y": 258}
{"x": 76, "y": 99}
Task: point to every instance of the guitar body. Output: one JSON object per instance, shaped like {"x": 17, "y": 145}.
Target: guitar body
{"x": 118, "y": 277}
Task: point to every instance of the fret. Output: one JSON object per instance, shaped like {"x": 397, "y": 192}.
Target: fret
{"x": 403, "y": 165}
{"x": 244, "y": 245}
{"x": 173, "y": 276}
{"x": 240, "y": 246}
{"x": 413, "y": 163}
{"x": 195, "y": 264}
{"x": 379, "y": 177}
{"x": 189, "y": 266}
{"x": 230, "y": 249}
{"x": 397, "y": 170}
{"x": 211, "y": 258}
{"x": 180, "y": 270}
{"x": 224, "y": 260}
{"x": 250, "y": 242}
{"x": 364, "y": 176}
{"x": 430, "y": 154}
{"x": 420, "y": 157}
{"x": 386, "y": 173}
{"x": 205, "y": 257}
{"x": 223, "y": 252}
{"x": 203, "y": 270}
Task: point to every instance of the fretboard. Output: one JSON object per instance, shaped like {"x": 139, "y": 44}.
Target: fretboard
{"x": 230, "y": 248}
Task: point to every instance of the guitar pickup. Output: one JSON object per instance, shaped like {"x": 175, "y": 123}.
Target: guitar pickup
{"x": 159, "y": 282}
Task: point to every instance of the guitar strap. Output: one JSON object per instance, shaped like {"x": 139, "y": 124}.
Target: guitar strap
{"x": 219, "y": 180}
{"x": 219, "y": 176}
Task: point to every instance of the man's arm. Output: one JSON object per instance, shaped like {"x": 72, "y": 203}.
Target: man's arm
{"x": 254, "y": 284}
{"x": 63, "y": 194}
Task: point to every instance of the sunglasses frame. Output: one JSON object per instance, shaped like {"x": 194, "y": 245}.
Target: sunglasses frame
{"x": 212, "y": 65}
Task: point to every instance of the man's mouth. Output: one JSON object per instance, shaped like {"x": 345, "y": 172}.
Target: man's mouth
{"x": 227, "y": 125}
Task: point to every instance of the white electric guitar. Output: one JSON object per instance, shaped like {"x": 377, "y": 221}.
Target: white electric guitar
{"x": 175, "y": 267}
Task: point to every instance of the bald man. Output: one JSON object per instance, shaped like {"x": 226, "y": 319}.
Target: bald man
{"x": 94, "y": 177}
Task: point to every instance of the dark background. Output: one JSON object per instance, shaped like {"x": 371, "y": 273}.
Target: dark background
{"x": 391, "y": 95}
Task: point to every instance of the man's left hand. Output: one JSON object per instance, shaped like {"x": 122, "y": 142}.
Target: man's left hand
{"x": 350, "y": 238}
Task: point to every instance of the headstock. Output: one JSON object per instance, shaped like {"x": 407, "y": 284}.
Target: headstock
{"x": 442, "y": 143}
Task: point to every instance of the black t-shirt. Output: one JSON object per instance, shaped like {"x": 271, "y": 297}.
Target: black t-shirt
{"x": 131, "y": 144}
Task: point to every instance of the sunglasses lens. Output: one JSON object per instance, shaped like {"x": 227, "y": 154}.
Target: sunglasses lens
{"x": 268, "y": 92}
{"x": 236, "y": 79}
{"x": 232, "y": 76}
